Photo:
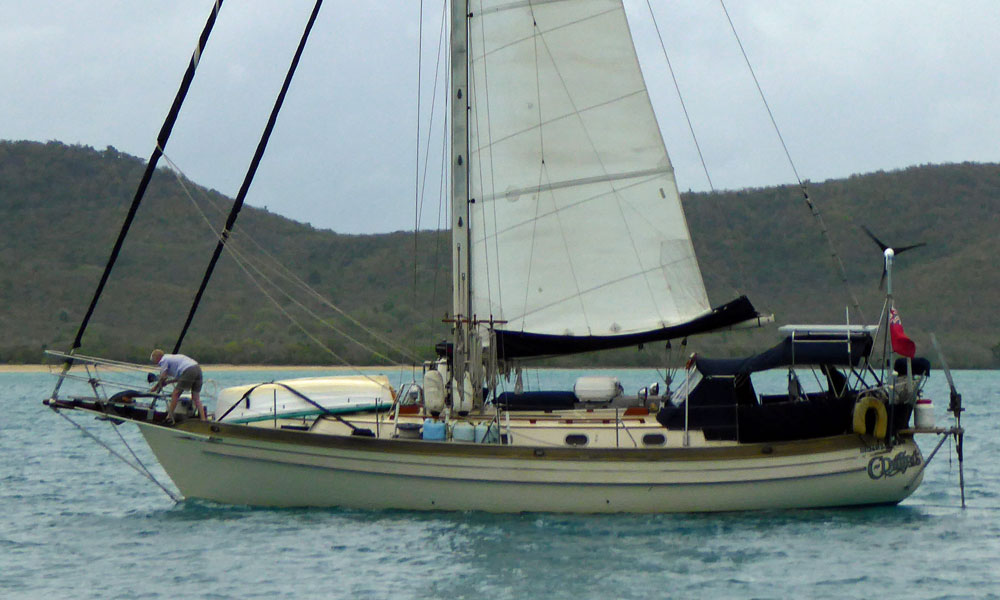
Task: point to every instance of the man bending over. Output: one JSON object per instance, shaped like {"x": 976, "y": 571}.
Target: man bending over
{"x": 186, "y": 375}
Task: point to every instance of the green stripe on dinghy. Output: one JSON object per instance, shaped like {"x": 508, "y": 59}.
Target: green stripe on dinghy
{"x": 345, "y": 410}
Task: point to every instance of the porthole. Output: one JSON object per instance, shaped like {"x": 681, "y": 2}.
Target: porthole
{"x": 654, "y": 439}
{"x": 576, "y": 439}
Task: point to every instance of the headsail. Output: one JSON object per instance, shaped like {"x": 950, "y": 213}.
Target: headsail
{"x": 576, "y": 222}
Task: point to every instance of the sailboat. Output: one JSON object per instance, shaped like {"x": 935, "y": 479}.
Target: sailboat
{"x": 568, "y": 236}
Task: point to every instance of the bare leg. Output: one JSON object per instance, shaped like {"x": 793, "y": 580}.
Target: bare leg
{"x": 196, "y": 398}
{"x": 173, "y": 403}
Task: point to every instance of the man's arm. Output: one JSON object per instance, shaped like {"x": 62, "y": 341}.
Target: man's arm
{"x": 160, "y": 382}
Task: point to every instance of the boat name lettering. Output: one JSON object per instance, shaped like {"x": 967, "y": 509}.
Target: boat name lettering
{"x": 883, "y": 466}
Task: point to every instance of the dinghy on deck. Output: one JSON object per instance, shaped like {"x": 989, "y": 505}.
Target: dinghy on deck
{"x": 303, "y": 398}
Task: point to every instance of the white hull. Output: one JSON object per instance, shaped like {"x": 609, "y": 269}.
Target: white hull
{"x": 253, "y": 466}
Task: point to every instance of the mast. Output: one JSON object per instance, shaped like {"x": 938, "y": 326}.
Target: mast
{"x": 147, "y": 176}
{"x": 460, "y": 238}
{"x": 161, "y": 143}
{"x": 248, "y": 178}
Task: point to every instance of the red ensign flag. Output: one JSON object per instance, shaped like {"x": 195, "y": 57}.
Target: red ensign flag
{"x": 901, "y": 344}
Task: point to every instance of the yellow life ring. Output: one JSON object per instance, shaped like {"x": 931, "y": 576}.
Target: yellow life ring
{"x": 861, "y": 408}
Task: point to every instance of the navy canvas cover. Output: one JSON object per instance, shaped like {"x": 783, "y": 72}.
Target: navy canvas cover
{"x": 811, "y": 349}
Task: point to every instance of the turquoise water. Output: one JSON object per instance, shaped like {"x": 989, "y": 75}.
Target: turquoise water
{"x": 76, "y": 523}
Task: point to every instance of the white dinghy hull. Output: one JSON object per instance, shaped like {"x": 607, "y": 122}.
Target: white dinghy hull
{"x": 258, "y": 467}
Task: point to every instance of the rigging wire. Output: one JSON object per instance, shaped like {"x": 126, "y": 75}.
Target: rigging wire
{"x": 161, "y": 142}
{"x": 246, "y": 265}
{"x": 444, "y": 207}
{"x": 294, "y": 321}
{"x": 680, "y": 96}
{"x": 802, "y": 186}
{"x": 442, "y": 215}
{"x": 694, "y": 137}
{"x": 138, "y": 461}
{"x": 760, "y": 91}
{"x": 282, "y": 270}
{"x": 140, "y": 467}
{"x": 243, "y": 262}
{"x": 251, "y": 171}
{"x": 421, "y": 183}
{"x": 539, "y": 37}
{"x": 416, "y": 150}
{"x": 541, "y": 172}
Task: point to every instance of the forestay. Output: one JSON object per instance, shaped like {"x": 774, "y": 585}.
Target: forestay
{"x": 576, "y": 220}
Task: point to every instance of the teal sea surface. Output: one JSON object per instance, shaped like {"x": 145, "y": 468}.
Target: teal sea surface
{"x": 75, "y": 522}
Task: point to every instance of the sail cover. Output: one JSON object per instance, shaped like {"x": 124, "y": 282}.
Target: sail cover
{"x": 576, "y": 222}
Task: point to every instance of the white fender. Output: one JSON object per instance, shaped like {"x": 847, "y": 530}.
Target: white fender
{"x": 433, "y": 392}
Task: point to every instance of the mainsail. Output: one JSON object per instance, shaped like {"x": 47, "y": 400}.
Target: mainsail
{"x": 579, "y": 240}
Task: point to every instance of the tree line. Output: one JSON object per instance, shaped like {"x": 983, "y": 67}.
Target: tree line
{"x": 61, "y": 207}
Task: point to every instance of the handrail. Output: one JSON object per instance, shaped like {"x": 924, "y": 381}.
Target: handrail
{"x": 98, "y": 361}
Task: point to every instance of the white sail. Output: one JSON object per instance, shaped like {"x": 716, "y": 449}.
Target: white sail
{"x": 576, "y": 222}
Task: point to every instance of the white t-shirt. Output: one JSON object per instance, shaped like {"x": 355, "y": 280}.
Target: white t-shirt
{"x": 175, "y": 364}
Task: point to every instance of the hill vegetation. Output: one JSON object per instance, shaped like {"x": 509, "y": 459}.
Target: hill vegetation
{"x": 61, "y": 207}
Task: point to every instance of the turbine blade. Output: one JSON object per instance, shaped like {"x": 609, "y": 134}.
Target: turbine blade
{"x": 882, "y": 246}
{"x": 910, "y": 247}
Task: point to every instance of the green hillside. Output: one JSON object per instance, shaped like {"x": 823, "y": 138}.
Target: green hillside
{"x": 61, "y": 207}
{"x": 776, "y": 255}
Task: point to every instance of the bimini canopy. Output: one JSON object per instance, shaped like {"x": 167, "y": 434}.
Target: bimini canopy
{"x": 808, "y": 349}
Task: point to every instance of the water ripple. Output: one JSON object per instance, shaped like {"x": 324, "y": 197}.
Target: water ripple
{"x": 78, "y": 525}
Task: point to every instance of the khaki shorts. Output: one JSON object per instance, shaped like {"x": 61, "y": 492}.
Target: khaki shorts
{"x": 190, "y": 379}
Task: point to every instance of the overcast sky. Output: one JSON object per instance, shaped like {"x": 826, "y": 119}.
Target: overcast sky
{"x": 855, "y": 86}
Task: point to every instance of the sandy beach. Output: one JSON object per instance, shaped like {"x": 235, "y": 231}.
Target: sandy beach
{"x": 25, "y": 368}
{"x": 327, "y": 368}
